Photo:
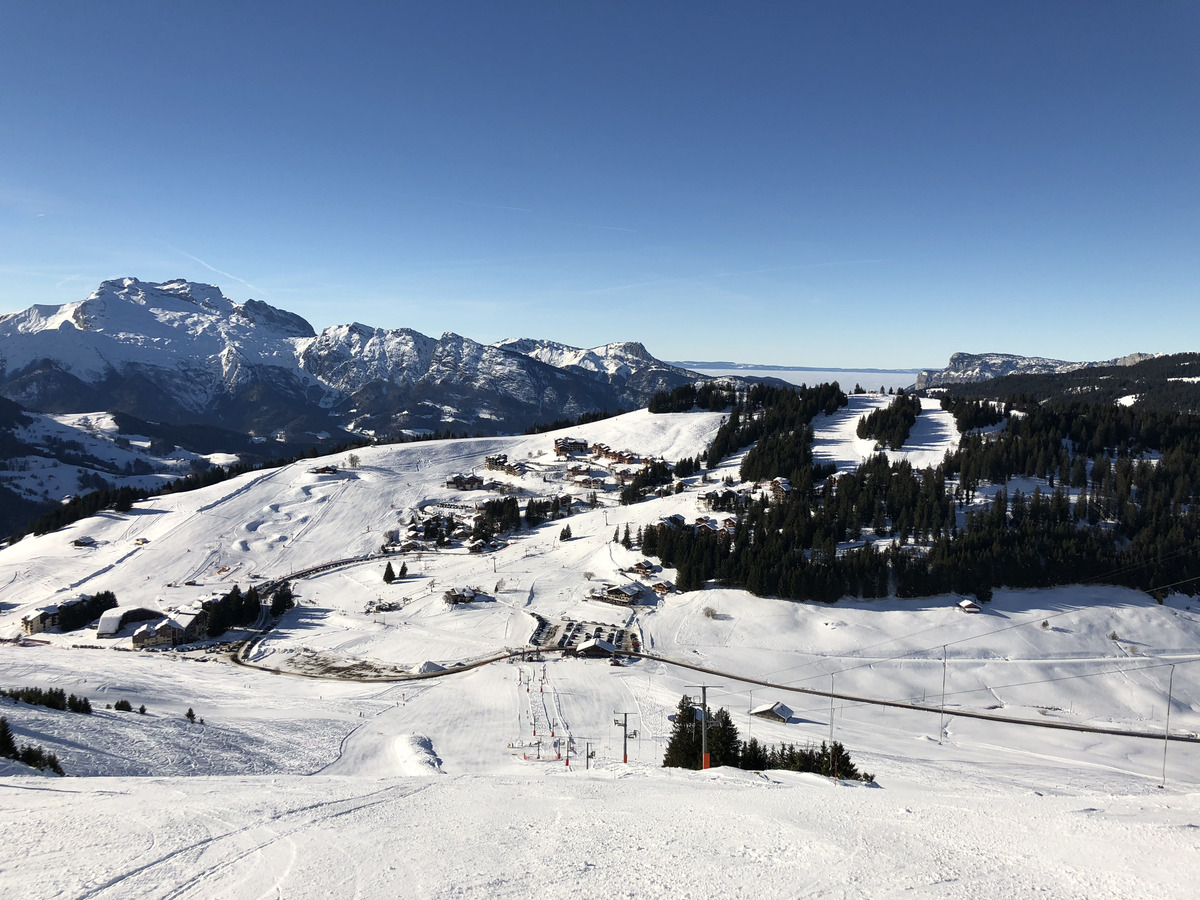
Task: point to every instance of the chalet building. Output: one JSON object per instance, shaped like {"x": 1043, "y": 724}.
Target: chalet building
{"x": 496, "y": 463}
{"x": 323, "y": 470}
{"x": 969, "y": 606}
{"x": 775, "y": 712}
{"x": 780, "y": 488}
{"x": 715, "y": 499}
{"x": 565, "y": 446}
{"x": 516, "y": 468}
{"x": 624, "y": 593}
{"x": 662, "y": 588}
{"x": 589, "y": 481}
{"x": 595, "y": 648}
{"x": 460, "y": 595}
{"x": 464, "y": 482}
{"x": 644, "y": 567}
{"x": 84, "y": 541}
{"x": 158, "y": 634}
{"x": 181, "y": 626}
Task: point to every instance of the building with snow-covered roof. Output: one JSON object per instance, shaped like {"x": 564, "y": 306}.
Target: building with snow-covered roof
{"x": 40, "y": 619}
{"x": 969, "y": 606}
{"x": 596, "y": 648}
{"x": 113, "y": 620}
{"x": 181, "y": 626}
{"x": 776, "y": 712}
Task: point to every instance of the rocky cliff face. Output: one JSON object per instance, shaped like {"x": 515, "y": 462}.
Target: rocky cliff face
{"x": 183, "y": 352}
{"x": 971, "y": 367}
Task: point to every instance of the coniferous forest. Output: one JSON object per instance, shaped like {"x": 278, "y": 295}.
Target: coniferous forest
{"x": 1113, "y": 502}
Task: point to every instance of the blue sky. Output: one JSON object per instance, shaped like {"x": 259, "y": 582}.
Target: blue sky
{"x": 822, "y": 184}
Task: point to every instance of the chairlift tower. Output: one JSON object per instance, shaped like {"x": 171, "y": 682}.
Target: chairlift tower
{"x": 705, "y": 762}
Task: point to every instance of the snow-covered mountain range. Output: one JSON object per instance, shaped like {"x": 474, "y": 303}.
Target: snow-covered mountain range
{"x": 183, "y": 352}
{"x": 970, "y": 367}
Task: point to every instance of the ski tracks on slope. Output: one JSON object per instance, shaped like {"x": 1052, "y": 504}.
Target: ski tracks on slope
{"x": 181, "y": 872}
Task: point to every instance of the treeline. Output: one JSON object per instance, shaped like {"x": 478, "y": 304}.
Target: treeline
{"x": 33, "y": 756}
{"x": 1106, "y": 515}
{"x": 891, "y": 426}
{"x": 710, "y": 395}
{"x": 725, "y": 748}
{"x": 581, "y": 419}
{"x": 51, "y": 698}
{"x": 1162, "y": 384}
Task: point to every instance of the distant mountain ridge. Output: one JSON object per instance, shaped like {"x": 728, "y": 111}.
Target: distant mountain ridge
{"x": 180, "y": 351}
{"x": 966, "y": 368}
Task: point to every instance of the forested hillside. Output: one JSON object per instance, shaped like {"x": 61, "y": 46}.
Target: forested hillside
{"x": 1106, "y": 494}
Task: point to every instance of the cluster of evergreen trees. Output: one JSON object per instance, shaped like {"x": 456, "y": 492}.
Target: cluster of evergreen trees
{"x": 687, "y": 466}
{"x": 725, "y": 748}
{"x": 33, "y": 756}
{"x": 499, "y": 516}
{"x": 711, "y": 395}
{"x": 650, "y": 476}
{"x": 52, "y": 698}
{"x": 235, "y": 608}
{"x": 282, "y": 599}
{"x": 970, "y": 413}
{"x": 73, "y": 616}
{"x": 539, "y": 511}
{"x": 891, "y": 426}
{"x": 780, "y": 414}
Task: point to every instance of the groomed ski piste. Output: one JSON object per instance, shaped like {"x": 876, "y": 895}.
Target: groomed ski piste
{"x": 366, "y": 746}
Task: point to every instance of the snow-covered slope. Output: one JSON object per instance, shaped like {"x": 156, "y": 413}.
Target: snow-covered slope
{"x": 459, "y": 786}
{"x": 182, "y": 352}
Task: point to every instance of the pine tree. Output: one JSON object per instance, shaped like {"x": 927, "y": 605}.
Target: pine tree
{"x": 389, "y": 574}
{"x": 565, "y": 534}
{"x": 723, "y": 743}
{"x": 190, "y": 715}
{"x": 683, "y": 748}
{"x": 8, "y": 746}
{"x": 403, "y": 570}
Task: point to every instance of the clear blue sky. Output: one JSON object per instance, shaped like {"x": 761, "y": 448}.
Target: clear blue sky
{"x": 825, "y": 184}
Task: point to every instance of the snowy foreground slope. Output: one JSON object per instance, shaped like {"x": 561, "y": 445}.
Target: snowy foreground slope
{"x": 303, "y": 786}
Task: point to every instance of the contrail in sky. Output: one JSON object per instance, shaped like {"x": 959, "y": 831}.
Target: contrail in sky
{"x": 257, "y": 290}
